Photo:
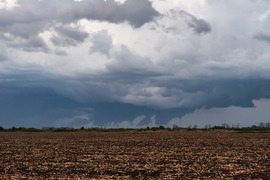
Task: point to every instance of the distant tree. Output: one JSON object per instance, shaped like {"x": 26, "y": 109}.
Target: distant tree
{"x": 82, "y": 128}
{"x": 48, "y": 128}
{"x": 31, "y": 129}
{"x": 225, "y": 126}
{"x": 261, "y": 125}
{"x": 254, "y": 127}
{"x": 195, "y": 126}
{"x": 161, "y": 127}
{"x": 1, "y": 128}
{"x": 175, "y": 127}
{"x": 267, "y": 125}
{"x": 218, "y": 127}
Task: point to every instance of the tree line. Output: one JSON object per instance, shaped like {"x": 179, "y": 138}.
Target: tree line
{"x": 260, "y": 127}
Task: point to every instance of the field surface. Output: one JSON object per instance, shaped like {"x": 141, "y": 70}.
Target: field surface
{"x": 134, "y": 155}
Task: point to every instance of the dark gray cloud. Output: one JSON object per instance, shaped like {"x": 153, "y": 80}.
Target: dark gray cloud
{"x": 176, "y": 21}
{"x": 33, "y": 16}
{"x": 68, "y": 36}
{"x": 37, "y": 106}
{"x": 136, "y": 12}
{"x": 198, "y": 25}
{"x": 24, "y": 30}
{"x": 72, "y": 33}
{"x": 67, "y": 102}
{"x": 143, "y": 86}
{"x": 262, "y": 37}
{"x": 221, "y": 93}
{"x": 31, "y": 106}
{"x": 34, "y": 43}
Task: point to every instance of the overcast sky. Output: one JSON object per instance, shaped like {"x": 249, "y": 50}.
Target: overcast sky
{"x": 134, "y": 63}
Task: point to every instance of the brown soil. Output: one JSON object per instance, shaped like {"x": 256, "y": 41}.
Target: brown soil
{"x": 134, "y": 155}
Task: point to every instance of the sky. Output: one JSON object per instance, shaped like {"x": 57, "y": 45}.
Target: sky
{"x": 134, "y": 63}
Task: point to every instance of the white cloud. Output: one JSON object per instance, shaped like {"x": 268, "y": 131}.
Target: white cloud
{"x": 128, "y": 124}
{"x": 8, "y": 4}
{"x": 136, "y": 123}
{"x": 264, "y": 16}
{"x": 138, "y": 120}
{"x": 231, "y": 115}
{"x": 75, "y": 121}
{"x": 152, "y": 121}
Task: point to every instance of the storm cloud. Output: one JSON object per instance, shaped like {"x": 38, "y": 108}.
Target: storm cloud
{"x": 263, "y": 37}
{"x": 130, "y": 63}
{"x": 32, "y": 16}
{"x": 177, "y": 21}
{"x": 68, "y": 36}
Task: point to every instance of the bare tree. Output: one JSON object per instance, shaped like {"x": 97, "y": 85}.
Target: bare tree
{"x": 175, "y": 127}
{"x": 261, "y": 124}
{"x": 225, "y": 125}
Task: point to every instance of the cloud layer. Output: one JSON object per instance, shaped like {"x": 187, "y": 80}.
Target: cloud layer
{"x": 159, "y": 55}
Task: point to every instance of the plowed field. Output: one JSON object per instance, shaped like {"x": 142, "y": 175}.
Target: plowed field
{"x": 134, "y": 155}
